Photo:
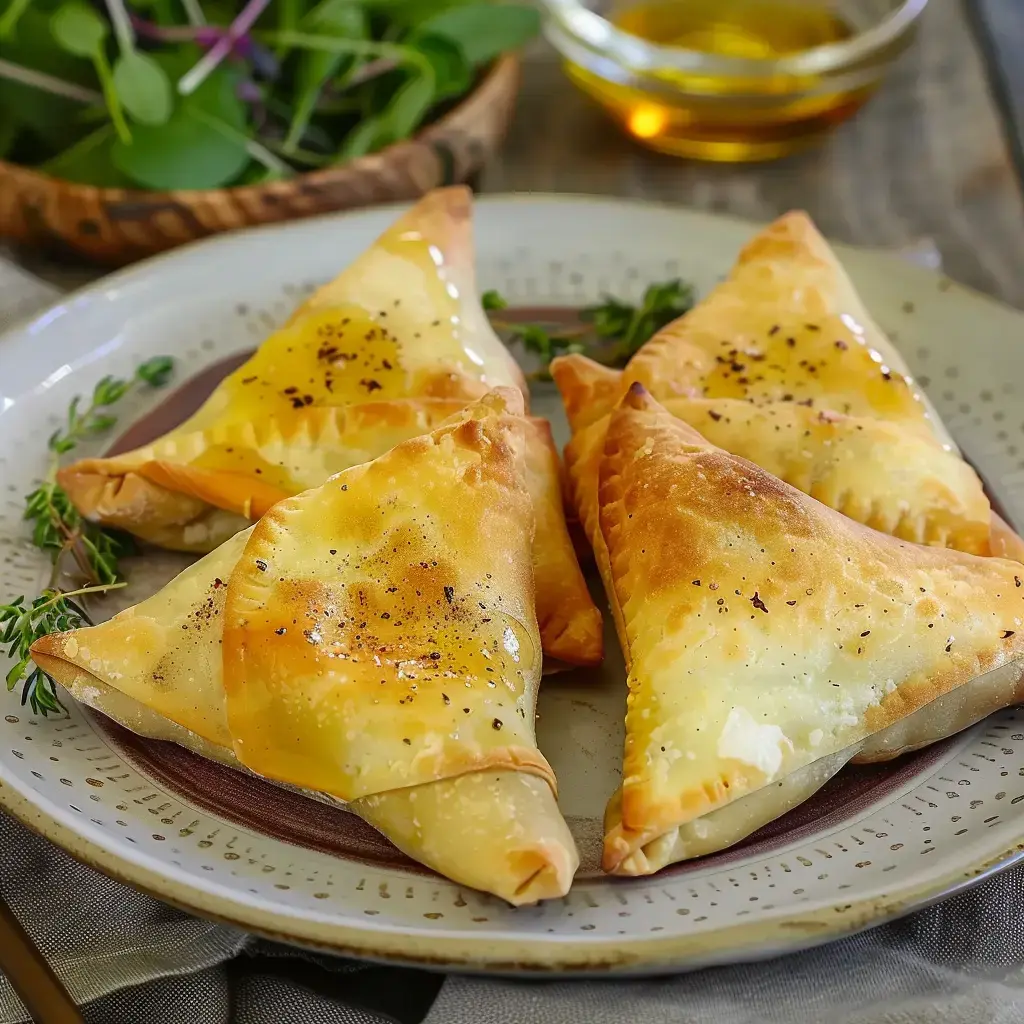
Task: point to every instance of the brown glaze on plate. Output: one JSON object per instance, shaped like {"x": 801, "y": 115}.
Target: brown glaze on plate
{"x": 254, "y": 803}
{"x": 283, "y": 814}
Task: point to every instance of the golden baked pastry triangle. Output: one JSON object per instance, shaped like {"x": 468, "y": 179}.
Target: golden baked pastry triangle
{"x": 391, "y": 348}
{"x": 374, "y": 640}
{"x": 786, "y": 325}
{"x": 901, "y": 482}
{"x": 782, "y": 364}
{"x": 769, "y": 639}
{"x": 403, "y": 322}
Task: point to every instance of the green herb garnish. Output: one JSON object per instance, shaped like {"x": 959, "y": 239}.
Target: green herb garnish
{"x": 633, "y": 326}
{"x": 611, "y": 332}
{"x": 25, "y": 622}
{"x": 192, "y": 94}
{"x": 56, "y": 525}
{"x": 58, "y": 528}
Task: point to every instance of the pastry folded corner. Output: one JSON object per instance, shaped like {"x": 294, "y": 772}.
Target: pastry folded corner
{"x": 644, "y": 851}
{"x": 192, "y": 489}
{"x": 499, "y": 831}
{"x": 178, "y": 507}
{"x": 589, "y": 390}
{"x": 163, "y": 654}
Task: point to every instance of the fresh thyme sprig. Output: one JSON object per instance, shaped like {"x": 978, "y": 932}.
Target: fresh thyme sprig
{"x": 58, "y": 528}
{"x": 634, "y": 326}
{"x": 23, "y": 622}
{"x": 613, "y": 330}
{"x": 56, "y": 525}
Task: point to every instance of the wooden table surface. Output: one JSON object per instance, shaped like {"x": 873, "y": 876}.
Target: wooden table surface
{"x": 938, "y": 154}
{"x": 933, "y": 155}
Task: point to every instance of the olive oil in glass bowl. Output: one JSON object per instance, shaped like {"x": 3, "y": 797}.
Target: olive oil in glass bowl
{"x": 730, "y": 80}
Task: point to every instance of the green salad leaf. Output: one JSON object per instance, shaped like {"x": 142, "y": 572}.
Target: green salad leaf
{"x": 144, "y": 87}
{"x": 192, "y": 94}
{"x": 201, "y": 145}
{"x": 483, "y": 31}
{"x": 79, "y": 29}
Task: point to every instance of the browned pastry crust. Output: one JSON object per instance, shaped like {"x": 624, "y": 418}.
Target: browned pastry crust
{"x": 782, "y": 364}
{"x": 374, "y": 640}
{"x": 770, "y": 638}
{"x": 391, "y": 348}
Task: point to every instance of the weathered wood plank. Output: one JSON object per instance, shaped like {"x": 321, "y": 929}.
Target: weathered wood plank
{"x": 926, "y": 158}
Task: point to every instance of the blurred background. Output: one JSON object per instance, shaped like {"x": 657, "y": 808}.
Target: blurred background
{"x": 893, "y": 122}
{"x": 935, "y": 154}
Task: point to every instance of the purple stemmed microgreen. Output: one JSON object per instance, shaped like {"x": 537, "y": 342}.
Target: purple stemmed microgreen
{"x": 164, "y": 33}
{"x": 222, "y": 48}
{"x": 243, "y": 49}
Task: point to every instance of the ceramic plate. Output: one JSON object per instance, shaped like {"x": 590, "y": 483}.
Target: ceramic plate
{"x": 878, "y": 841}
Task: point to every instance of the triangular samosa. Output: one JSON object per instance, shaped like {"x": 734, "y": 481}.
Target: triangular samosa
{"x": 897, "y": 481}
{"x": 769, "y": 639}
{"x": 391, "y": 348}
{"x": 403, "y": 322}
{"x": 782, "y": 364}
{"x": 374, "y": 640}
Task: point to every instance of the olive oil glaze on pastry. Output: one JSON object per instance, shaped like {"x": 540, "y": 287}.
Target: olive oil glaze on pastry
{"x": 392, "y": 347}
{"x": 373, "y": 639}
{"x": 782, "y": 364}
{"x": 769, "y": 640}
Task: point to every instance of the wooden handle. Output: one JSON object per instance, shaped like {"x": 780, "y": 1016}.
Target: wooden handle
{"x": 39, "y": 988}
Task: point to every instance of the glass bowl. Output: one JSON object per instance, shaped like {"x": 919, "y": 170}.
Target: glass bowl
{"x": 738, "y": 86}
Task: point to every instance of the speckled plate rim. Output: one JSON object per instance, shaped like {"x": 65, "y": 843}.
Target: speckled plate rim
{"x": 467, "y": 953}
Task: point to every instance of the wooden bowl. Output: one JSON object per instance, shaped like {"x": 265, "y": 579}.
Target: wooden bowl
{"x": 116, "y": 226}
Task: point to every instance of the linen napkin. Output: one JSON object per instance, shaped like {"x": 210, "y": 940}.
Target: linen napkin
{"x": 133, "y": 960}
